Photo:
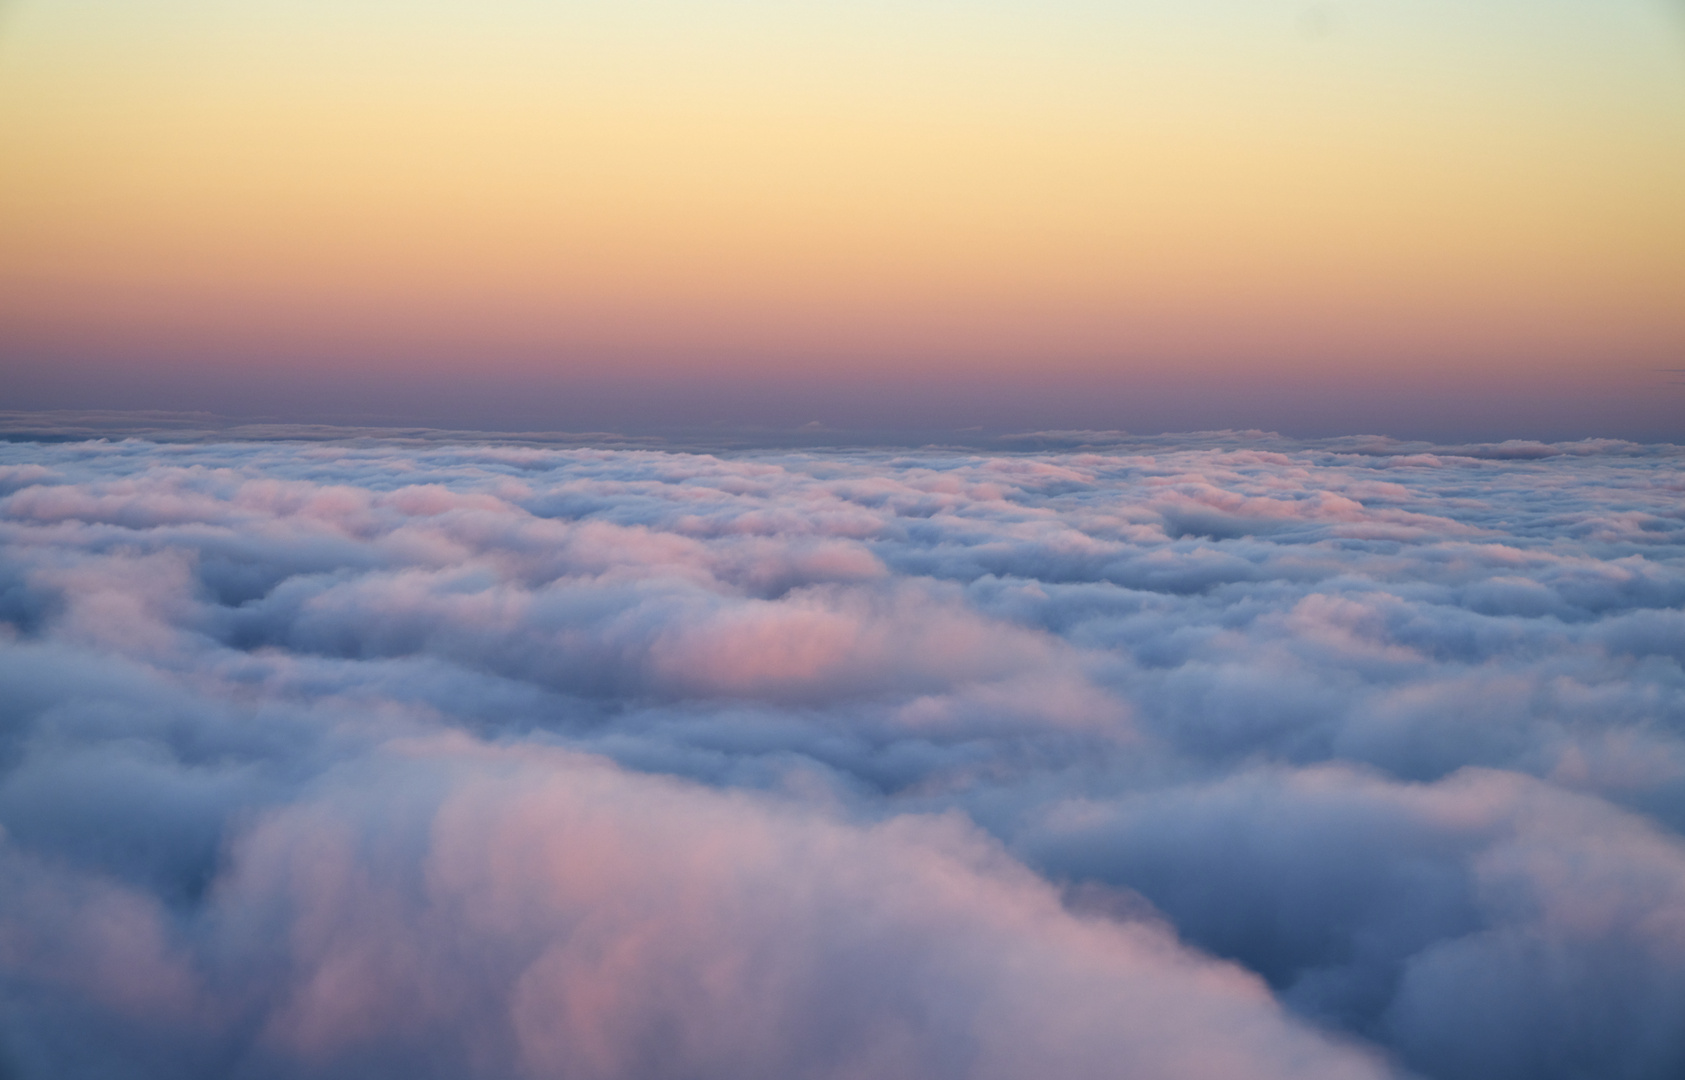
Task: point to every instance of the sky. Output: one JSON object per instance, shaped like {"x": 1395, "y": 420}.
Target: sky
{"x": 1179, "y": 758}
{"x": 1425, "y": 218}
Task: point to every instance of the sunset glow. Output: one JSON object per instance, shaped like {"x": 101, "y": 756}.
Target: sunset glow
{"x": 1100, "y": 205}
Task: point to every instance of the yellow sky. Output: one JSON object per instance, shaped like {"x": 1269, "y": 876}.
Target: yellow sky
{"x": 1061, "y": 184}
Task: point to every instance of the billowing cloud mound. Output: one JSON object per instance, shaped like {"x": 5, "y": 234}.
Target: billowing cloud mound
{"x": 1197, "y": 758}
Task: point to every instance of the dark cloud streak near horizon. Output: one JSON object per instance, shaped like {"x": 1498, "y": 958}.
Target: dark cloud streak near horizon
{"x": 1209, "y": 756}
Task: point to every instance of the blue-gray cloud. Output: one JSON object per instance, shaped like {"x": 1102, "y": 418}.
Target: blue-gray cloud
{"x": 1212, "y": 755}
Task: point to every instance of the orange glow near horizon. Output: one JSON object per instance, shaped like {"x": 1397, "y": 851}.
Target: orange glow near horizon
{"x": 1339, "y": 190}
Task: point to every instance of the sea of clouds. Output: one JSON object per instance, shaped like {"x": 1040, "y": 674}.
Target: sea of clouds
{"x": 1205, "y": 757}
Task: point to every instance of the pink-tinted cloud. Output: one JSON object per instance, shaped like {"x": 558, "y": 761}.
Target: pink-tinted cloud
{"x": 1223, "y": 755}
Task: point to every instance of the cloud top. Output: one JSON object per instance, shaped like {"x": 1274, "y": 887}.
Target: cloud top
{"x": 1209, "y": 756}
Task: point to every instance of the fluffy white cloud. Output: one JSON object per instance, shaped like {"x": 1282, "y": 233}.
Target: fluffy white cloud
{"x": 1221, "y": 755}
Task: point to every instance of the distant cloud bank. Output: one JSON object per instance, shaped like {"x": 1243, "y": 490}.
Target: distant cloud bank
{"x": 1195, "y": 758}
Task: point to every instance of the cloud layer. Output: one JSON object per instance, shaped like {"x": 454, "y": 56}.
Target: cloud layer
{"x": 1186, "y": 757}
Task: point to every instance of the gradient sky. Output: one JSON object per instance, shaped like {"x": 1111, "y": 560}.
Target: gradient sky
{"x": 1410, "y": 216}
